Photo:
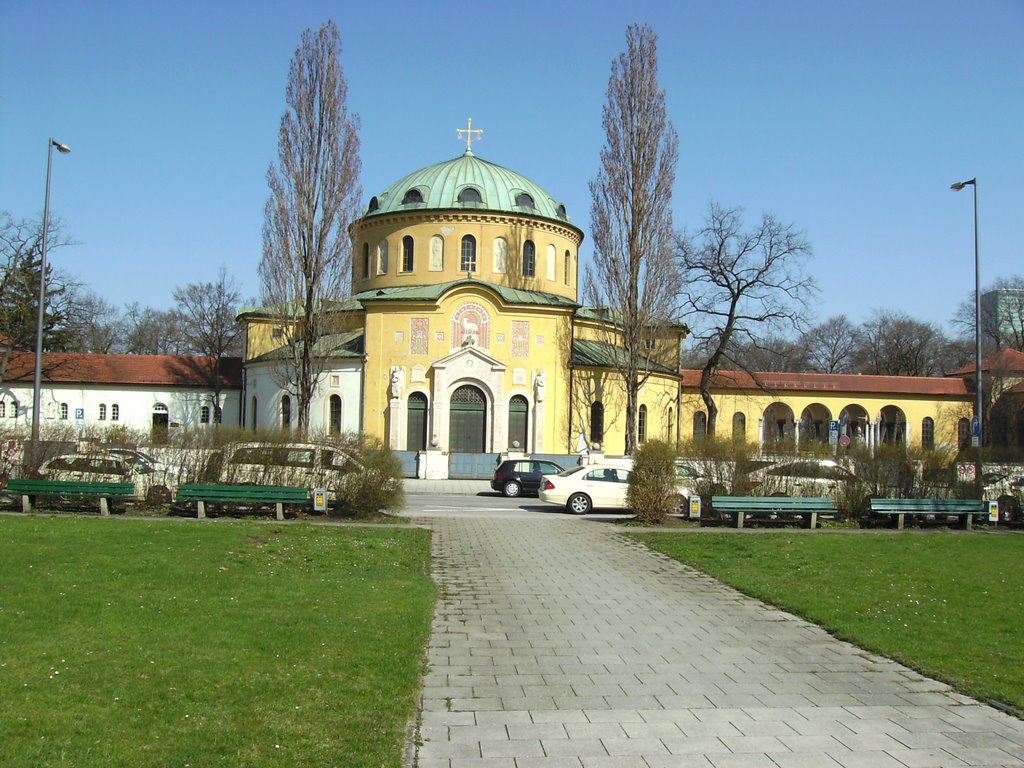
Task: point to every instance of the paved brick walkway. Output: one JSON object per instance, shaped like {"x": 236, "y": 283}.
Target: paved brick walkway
{"x": 558, "y": 644}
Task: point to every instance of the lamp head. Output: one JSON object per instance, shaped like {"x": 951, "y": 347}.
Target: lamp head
{"x": 62, "y": 148}
{"x": 961, "y": 184}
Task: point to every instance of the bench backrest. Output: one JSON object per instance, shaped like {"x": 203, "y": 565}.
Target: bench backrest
{"x": 34, "y": 487}
{"x": 286, "y": 494}
{"x": 929, "y": 506}
{"x": 773, "y": 503}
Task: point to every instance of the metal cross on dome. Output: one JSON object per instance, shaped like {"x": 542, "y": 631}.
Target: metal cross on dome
{"x": 469, "y": 130}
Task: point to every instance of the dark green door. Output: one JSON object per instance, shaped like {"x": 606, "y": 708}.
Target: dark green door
{"x": 416, "y": 430}
{"x": 468, "y": 420}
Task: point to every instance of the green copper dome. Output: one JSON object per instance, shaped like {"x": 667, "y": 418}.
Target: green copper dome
{"x": 468, "y": 183}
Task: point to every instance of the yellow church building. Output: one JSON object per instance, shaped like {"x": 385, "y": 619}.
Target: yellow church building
{"x": 464, "y": 339}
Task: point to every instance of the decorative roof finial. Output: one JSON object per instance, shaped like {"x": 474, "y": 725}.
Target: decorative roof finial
{"x": 469, "y": 130}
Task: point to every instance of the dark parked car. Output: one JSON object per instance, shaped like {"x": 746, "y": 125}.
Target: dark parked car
{"x": 518, "y": 476}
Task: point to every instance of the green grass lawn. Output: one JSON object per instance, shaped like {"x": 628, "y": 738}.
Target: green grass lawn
{"x": 947, "y": 604}
{"x": 177, "y": 643}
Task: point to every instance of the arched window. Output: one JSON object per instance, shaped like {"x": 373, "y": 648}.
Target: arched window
{"x": 374, "y": 204}
{"x": 103, "y": 412}
{"x": 739, "y": 427}
{"x": 382, "y": 257}
{"x": 63, "y": 411}
{"x": 927, "y": 433}
{"x": 529, "y": 259}
{"x": 670, "y": 425}
{"x": 596, "y": 422}
{"x": 468, "y": 261}
{"x": 286, "y": 412}
{"x": 252, "y": 421}
{"x": 470, "y": 195}
{"x": 3, "y": 409}
{"x": 700, "y": 425}
{"x": 366, "y": 260}
{"x": 560, "y": 212}
{"x": 963, "y": 433}
{"x": 523, "y": 200}
{"x": 641, "y": 424}
{"x": 412, "y": 197}
{"x": 518, "y": 412}
{"x": 416, "y": 430}
{"x": 407, "y": 254}
{"x": 204, "y": 415}
{"x": 334, "y": 417}
{"x": 115, "y": 412}
{"x": 565, "y": 267}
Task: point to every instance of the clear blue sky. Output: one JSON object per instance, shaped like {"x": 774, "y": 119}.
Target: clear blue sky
{"x": 850, "y": 120}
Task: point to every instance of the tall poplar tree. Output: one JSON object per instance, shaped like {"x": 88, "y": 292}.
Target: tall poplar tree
{"x": 314, "y": 194}
{"x": 634, "y": 275}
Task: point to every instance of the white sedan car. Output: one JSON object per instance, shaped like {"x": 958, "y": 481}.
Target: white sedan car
{"x": 581, "y": 489}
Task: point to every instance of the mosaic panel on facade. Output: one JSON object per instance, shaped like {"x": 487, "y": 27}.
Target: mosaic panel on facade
{"x": 419, "y": 336}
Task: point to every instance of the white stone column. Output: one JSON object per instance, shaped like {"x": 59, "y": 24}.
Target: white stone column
{"x": 396, "y": 437}
{"x": 538, "y": 428}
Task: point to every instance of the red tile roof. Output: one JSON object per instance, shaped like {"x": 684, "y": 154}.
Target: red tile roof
{"x": 1002, "y": 362}
{"x": 136, "y": 370}
{"x": 832, "y": 382}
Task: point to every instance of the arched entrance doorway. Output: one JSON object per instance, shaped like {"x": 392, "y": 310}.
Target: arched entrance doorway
{"x": 777, "y": 423}
{"x": 893, "y": 426}
{"x": 468, "y": 420}
{"x": 161, "y": 421}
{"x": 814, "y": 423}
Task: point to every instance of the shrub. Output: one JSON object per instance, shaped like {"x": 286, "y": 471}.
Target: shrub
{"x": 652, "y": 484}
{"x": 378, "y": 487}
{"x": 723, "y": 465}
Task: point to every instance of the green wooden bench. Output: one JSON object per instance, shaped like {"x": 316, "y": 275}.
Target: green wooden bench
{"x": 278, "y": 495}
{"x": 963, "y": 508}
{"x": 743, "y": 507}
{"x": 29, "y": 488}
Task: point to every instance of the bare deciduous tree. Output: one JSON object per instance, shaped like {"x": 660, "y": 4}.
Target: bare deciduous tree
{"x": 98, "y": 325}
{"x": 151, "y": 331}
{"x": 208, "y": 326}
{"x": 740, "y": 286}
{"x": 830, "y": 347}
{"x": 634, "y": 275}
{"x": 1002, "y": 315}
{"x": 314, "y": 193}
{"x": 891, "y": 343}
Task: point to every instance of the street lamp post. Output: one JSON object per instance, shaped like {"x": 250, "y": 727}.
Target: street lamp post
{"x": 63, "y": 149}
{"x": 973, "y": 183}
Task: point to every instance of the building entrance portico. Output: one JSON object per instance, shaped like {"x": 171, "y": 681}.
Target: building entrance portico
{"x": 468, "y": 405}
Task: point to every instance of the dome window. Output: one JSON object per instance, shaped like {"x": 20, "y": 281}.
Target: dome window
{"x": 523, "y": 200}
{"x": 374, "y": 204}
{"x": 471, "y": 196}
{"x": 561, "y": 213}
{"x": 412, "y": 197}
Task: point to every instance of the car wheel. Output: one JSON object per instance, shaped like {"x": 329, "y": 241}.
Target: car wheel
{"x": 579, "y": 504}
{"x": 512, "y": 488}
{"x": 158, "y": 496}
